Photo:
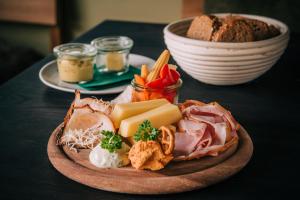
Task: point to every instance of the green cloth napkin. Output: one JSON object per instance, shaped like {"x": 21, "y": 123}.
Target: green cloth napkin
{"x": 108, "y": 80}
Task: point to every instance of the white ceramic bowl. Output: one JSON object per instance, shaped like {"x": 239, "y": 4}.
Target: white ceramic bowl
{"x": 224, "y": 63}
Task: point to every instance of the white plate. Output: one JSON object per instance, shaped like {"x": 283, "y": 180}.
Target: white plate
{"x": 49, "y": 76}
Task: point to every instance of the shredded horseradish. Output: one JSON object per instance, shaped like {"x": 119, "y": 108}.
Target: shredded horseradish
{"x": 102, "y": 106}
{"x": 81, "y": 138}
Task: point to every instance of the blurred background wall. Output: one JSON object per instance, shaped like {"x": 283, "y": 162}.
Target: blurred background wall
{"x": 81, "y": 15}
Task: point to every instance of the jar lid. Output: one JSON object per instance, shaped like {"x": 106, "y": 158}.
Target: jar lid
{"x": 75, "y": 49}
{"x": 112, "y": 43}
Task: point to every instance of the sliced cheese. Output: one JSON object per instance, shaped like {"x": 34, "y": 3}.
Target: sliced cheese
{"x": 126, "y": 110}
{"x": 161, "y": 116}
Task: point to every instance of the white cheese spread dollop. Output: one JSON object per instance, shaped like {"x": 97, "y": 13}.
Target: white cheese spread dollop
{"x": 102, "y": 158}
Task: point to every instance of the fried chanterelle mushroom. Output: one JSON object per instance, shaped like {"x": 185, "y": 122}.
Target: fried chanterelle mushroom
{"x": 153, "y": 155}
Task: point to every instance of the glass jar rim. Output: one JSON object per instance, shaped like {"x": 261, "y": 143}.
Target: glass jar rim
{"x": 170, "y": 87}
{"x": 75, "y": 49}
{"x": 102, "y": 43}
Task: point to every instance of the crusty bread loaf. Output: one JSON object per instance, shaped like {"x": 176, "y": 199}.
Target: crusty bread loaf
{"x": 231, "y": 28}
{"x": 203, "y": 27}
{"x": 260, "y": 29}
{"x": 234, "y": 30}
{"x": 273, "y": 31}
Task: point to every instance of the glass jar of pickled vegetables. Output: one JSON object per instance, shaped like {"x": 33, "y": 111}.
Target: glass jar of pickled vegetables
{"x": 75, "y": 61}
{"x": 113, "y": 53}
{"x": 143, "y": 93}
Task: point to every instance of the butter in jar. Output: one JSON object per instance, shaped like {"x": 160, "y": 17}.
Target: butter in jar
{"x": 112, "y": 53}
{"x": 75, "y": 62}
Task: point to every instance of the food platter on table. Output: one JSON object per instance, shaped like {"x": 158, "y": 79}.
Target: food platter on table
{"x": 145, "y": 142}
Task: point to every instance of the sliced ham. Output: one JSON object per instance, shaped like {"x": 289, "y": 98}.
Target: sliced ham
{"x": 186, "y": 142}
{"x": 214, "y": 111}
{"x": 207, "y": 129}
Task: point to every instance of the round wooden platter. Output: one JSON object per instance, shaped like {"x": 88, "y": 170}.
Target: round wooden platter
{"x": 174, "y": 178}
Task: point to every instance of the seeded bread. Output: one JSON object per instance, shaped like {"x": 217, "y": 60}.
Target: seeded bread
{"x": 230, "y": 29}
{"x": 234, "y": 30}
{"x": 273, "y": 31}
{"x": 260, "y": 29}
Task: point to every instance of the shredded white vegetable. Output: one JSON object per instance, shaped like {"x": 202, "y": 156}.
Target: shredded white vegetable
{"x": 100, "y": 105}
{"x": 80, "y": 138}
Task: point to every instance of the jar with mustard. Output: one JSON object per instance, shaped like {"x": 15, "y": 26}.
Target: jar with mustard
{"x": 75, "y": 62}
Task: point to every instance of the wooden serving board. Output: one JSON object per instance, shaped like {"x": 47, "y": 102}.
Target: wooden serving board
{"x": 175, "y": 177}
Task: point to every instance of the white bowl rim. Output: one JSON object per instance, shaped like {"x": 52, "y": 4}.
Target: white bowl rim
{"x": 200, "y": 50}
{"x": 226, "y": 58}
{"x": 284, "y": 33}
{"x": 171, "y": 41}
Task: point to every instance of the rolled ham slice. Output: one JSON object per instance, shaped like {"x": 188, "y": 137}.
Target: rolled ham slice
{"x": 192, "y": 133}
{"x": 206, "y": 129}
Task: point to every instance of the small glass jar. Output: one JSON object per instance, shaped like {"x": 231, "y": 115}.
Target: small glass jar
{"x": 75, "y": 62}
{"x": 142, "y": 93}
{"x": 113, "y": 53}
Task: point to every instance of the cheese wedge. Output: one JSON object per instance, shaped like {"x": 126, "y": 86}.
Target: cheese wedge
{"x": 126, "y": 110}
{"x": 161, "y": 116}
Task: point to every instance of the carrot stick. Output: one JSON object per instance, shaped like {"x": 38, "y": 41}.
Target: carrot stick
{"x": 139, "y": 80}
{"x": 144, "y": 71}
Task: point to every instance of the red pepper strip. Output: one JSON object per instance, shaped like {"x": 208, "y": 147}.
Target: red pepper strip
{"x": 175, "y": 74}
{"x": 165, "y": 73}
{"x": 156, "y": 84}
{"x": 160, "y": 83}
{"x": 170, "y": 96}
{"x": 167, "y": 77}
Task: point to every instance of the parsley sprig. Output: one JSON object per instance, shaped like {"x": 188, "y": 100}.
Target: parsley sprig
{"x": 146, "y": 132}
{"x": 111, "y": 141}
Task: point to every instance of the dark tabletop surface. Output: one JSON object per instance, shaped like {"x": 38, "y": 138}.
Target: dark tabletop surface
{"x": 268, "y": 108}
